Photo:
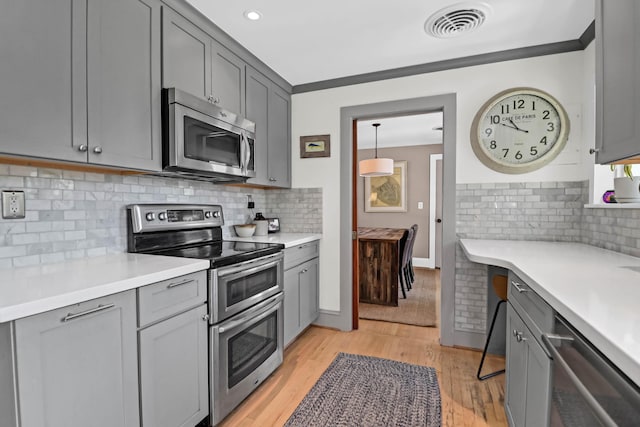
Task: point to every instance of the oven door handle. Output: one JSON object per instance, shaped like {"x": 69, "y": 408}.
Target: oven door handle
{"x": 232, "y": 274}
{"x": 250, "y": 315}
{"x": 597, "y": 409}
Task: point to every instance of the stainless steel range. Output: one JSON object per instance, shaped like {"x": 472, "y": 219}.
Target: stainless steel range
{"x": 245, "y": 294}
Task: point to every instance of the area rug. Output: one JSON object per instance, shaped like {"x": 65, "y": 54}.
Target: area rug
{"x": 419, "y": 308}
{"x": 370, "y": 392}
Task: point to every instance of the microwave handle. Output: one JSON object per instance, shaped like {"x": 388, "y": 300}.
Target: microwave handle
{"x": 247, "y": 154}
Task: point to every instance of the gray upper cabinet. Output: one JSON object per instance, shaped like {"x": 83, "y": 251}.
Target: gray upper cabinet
{"x": 617, "y": 80}
{"x": 258, "y": 88}
{"x": 227, "y": 78}
{"x": 124, "y": 83}
{"x": 83, "y": 84}
{"x": 194, "y": 62}
{"x": 77, "y": 365}
{"x": 269, "y": 107}
{"x": 279, "y": 138}
{"x": 186, "y": 55}
{"x": 42, "y": 106}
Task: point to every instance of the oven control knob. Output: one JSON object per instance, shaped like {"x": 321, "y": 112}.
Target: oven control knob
{"x": 216, "y": 214}
{"x": 207, "y": 214}
{"x": 162, "y": 216}
{"x": 150, "y": 216}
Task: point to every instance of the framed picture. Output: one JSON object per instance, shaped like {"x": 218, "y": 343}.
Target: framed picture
{"x": 387, "y": 193}
{"x": 315, "y": 146}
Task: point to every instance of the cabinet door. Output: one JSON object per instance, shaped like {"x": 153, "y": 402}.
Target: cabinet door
{"x": 78, "y": 365}
{"x": 43, "y": 102}
{"x": 308, "y": 293}
{"x": 291, "y": 305}
{"x": 279, "y": 128}
{"x": 258, "y": 87}
{"x": 174, "y": 371}
{"x": 124, "y": 83}
{"x": 538, "y": 385}
{"x": 516, "y": 370}
{"x": 617, "y": 80}
{"x": 227, "y": 78}
{"x": 186, "y": 55}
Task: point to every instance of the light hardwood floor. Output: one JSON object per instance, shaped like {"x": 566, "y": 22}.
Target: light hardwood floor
{"x": 465, "y": 400}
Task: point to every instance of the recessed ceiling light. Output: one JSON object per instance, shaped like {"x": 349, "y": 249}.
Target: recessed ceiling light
{"x": 252, "y": 15}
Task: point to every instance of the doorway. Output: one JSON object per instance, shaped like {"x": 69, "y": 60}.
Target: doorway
{"x": 393, "y": 204}
{"x": 447, "y": 104}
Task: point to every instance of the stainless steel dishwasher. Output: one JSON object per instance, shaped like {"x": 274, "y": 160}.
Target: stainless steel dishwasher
{"x": 587, "y": 389}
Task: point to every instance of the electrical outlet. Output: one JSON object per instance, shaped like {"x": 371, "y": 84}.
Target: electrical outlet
{"x": 12, "y": 204}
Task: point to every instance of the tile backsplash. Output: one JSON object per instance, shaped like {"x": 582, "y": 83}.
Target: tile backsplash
{"x": 551, "y": 211}
{"x": 78, "y": 214}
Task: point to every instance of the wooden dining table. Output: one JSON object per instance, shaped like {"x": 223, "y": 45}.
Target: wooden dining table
{"x": 379, "y": 252}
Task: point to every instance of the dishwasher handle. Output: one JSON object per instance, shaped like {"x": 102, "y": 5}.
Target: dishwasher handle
{"x": 597, "y": 409}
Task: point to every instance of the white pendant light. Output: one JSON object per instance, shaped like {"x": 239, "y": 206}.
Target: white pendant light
{"x": 376, "y": 166}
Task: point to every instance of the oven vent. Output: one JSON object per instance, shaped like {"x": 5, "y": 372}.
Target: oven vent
{"x": 456, "y": 20}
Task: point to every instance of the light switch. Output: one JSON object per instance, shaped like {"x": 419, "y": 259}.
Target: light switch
{"x": 420, "y": 205}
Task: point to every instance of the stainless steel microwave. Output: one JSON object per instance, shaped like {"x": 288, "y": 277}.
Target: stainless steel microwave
{"x": 202, "y": 140}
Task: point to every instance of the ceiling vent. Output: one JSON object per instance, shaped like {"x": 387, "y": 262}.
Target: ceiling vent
{"x": 457, "y": 19}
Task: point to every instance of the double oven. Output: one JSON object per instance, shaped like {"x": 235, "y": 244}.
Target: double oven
{"x": 245, "y": 294}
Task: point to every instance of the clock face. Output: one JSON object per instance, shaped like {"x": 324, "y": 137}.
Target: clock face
{"x": 519, "y": 130}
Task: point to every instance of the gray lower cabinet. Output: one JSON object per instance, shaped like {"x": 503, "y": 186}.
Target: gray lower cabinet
{"x": 301, "y": 280}
{"x": 617, "y": 80}
{"x": 174, "y": 369}
{"x": 77, "y": 365}
{"x": 82, "y": 85}
{"x": 196, "y": 63}
{"x": 269, "y": 107}
{"x": 174, "y": 372}
{"x": 528, "y": 370}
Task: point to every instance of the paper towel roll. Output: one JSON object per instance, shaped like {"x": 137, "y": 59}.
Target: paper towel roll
{"x": 262, "y": 227}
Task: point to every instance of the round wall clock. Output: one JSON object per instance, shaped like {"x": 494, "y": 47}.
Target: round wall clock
{"x": 519, "y": 130}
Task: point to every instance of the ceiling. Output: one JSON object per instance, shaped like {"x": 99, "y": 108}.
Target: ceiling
{"x": 401, "y": 131}
{"x": 312, "y": 41}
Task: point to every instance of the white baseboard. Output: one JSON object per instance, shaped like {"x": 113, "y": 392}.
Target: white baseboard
{"x": 421, "y": 262}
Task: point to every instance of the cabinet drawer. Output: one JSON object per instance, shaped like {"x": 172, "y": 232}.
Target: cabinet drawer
{"x": 172, "y": 296}
{"x": 537, "y": 314}
{"x": 299, "y": 254}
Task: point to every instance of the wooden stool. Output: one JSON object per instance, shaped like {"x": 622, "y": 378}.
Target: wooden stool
{"x": 500, "y": 283}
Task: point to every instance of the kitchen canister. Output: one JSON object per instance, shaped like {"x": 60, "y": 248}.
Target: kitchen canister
{"x": 262, "y": 225}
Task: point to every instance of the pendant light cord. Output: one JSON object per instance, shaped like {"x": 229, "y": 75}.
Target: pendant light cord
{"x": 375, "y": 125}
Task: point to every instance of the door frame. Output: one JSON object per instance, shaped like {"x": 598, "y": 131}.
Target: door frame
{"x": 433, "y": 178}
{"x": 447, "y": 104}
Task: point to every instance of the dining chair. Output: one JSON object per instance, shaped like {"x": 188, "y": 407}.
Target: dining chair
{"x": 410, "y": 262}
{"x": 404, "y": 259}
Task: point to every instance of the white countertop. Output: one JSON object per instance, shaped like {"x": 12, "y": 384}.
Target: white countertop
{"x": 596, "y": 290}
{"x": 31, "y": 290}
{"x": 287, "y": 239}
